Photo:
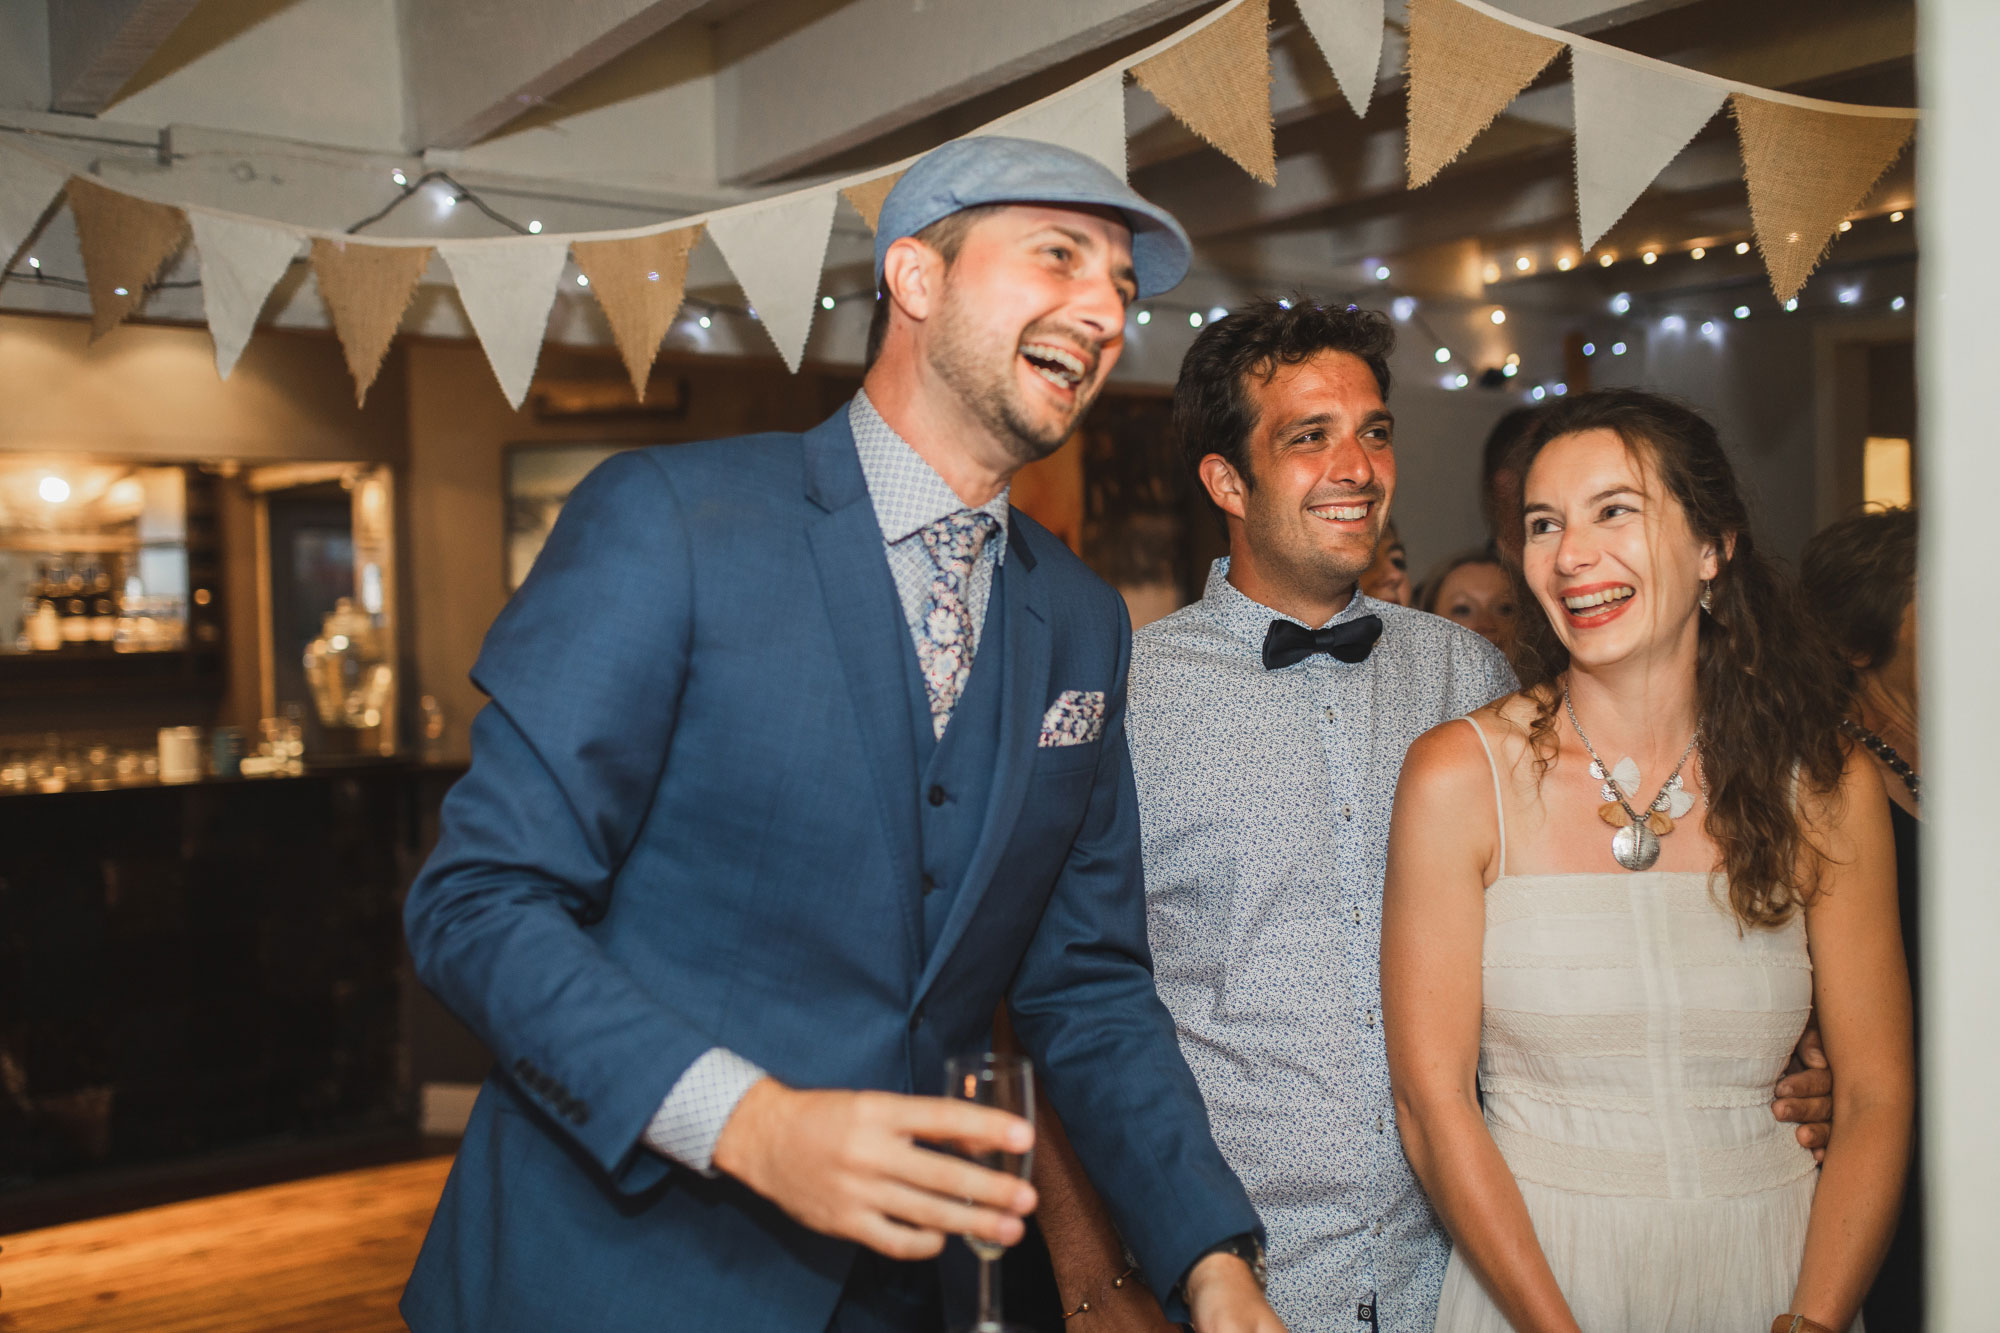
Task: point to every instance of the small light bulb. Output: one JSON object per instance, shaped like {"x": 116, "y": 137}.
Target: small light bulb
{"x": 1698, "y": 253}
{"x": 398, "y": 177}
{"x": 1849, "y": 295}
{"x": 1650, "y": 257}
{"x": 1539, "y": 392}
{"x": 1792, "y": 304}
{"x": 1617, "y": 349}
{"x": 53, "y": 489}
{"x": 1217, "y": 312}
{"x": 1621, "y": 303}
{"x": 1898, "y": 303}
{"x": 1493, "y": 273}
{"x": 1743, "y": 247}
{"x": 534, "y": 226}
{"x": 451, "y": 201}
{"x": 1403, "y": 307}
{"x": 1559, "y": 390}
{"x": 1284, "y": 303}
{"x": 1513, "y": 358}
{"x": 1741, "y": 312}
{"x": 119, "y": 291}
{"x": 1523, "y": 264}
{"x": 1510, "y": 370}
{"x": 826, "y": 303}
{"x": 1194, "y": 319}
{"x": 582, "y": 280}
{"x": 1845, "y": 225}
{"x": 34, "y": 262}
{"x": 1896, "y": 216}
{"x": 1708, "y": 328}
{"x": 1565, "y": 263}
{"x": 1590, "y": 349}
{"x": 1443, "y": 355}
{"x": 1145, "y": 317}
{"x": 751, "y": 311}
{"x": 1381, "y": 273}
{"x": 1498, "y": 316}
{"x": 704, "y": 321}
{"x": 1461, "y": 381}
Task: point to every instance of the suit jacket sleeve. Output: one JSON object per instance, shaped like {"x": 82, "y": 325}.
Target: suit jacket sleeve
{"x": 584, "y": 671}
{"x": 1084, "y": 1004}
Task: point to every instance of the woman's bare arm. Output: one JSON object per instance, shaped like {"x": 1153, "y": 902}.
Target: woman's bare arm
{"x": 1433, "y": 930}
{"x": 1861, "y": 989}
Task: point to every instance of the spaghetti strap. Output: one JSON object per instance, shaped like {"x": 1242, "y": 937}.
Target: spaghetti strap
{"x": 1499, "y": 808}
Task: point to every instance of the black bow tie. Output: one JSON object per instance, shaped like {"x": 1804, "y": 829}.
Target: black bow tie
{"x": 1349, "y": 641}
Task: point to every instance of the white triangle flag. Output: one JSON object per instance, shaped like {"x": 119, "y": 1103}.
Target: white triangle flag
{"x": 1632, "y": 117}
{"x": 240, "y": 263}
{"x": 776, "y": 252}
{"x": 1089, "y": 118}
{"x": 507, "y": 291}
{"x": 27, "y": 188}
{"x": 1348, "y": 34}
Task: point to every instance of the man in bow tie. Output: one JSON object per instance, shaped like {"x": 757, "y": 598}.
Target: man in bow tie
{"x": 1268, "y": 723}
{"x": 736, "y": 869}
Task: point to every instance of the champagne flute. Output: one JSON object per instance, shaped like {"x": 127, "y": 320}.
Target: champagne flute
{"x": 1007, "y": 1082}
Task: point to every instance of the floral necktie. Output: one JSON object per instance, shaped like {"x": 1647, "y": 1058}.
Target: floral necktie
{"x": 944, "y": 648}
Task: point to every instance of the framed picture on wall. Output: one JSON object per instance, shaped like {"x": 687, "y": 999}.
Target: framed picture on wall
{"x": 536, "y": 479}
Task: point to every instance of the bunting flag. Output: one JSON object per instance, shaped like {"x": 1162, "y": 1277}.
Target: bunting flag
{"x": 27, "y": 189}
{"x": 366, "y": 289}
{"x": 639, "y": 283}
{"x": 1464, "y": 69}
{"x": 240, "y": 263}
{"x": 776, "y": 250}
{"x": 867, "y": 197}
{"x": 1089, "y": 118}
{"x": 1807, "y": 169}
{"x": 1632, "y": 118}
{"x": 125, "y": 242}
{"x": 507, "y": 291}
{"x": 1217, "y": 82}
{"x": 1348, "y": 34}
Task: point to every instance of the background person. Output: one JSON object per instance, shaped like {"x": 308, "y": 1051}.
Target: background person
{"x": 1388, "y": 578}
{"x": 1474, "y": 590}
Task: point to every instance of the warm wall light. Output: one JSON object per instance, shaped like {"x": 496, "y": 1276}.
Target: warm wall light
{"x": 53, "y": 489}
{"x": 1498, "y": 317}
{"x": 1564, "y": 263}
{"x": 1698, "y": 252}
{"x": 1885, "y": 471}
{"x": 1605, "y": 260}
{"x": 1524, "y": 263}
{"x": 1743, "y": 247}
{"x": 1493, "y": 273}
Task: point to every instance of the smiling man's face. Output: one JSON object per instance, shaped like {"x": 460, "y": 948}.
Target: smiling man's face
{"x": 1322, "y": 470}
{"x": 1031, "y": 319}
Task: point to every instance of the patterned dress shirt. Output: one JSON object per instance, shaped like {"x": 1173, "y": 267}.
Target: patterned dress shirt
{"x": 908, "y": 495}
{"x": 1264, "y": 801}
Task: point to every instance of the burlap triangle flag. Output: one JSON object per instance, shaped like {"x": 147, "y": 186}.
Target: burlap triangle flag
{"x": 639, "y": 283}
{"x": 867, "y": 197}
{"x": 1807, "y": 169}
{"x": 366, "y": 289}
{"x": 125, "y": 242}
{"x": 1464, "y": 69}
{"x": 1218, "y": 84}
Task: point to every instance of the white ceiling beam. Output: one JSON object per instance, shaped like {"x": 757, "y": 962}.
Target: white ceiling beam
{"x": 96, "y": 46}
{"x": 796, "y": 83}
{"x": 474, "y": 65}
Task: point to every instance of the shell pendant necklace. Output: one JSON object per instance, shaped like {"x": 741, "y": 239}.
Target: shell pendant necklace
{"x": 1636, "y": 846}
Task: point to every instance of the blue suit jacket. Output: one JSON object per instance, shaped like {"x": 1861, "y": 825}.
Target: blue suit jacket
{"x": 691, "y": 821}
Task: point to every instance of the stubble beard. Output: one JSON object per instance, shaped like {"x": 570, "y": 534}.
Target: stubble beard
{"x": 1293, "y": 557}
{"x": 985, "y": 384}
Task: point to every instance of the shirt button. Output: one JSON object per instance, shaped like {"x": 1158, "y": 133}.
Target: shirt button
{"x": 1357, "y": 916}
{"x": 937, "y": 796}
{"x": 1371, "y": 1018}
{"x": 1329, "y": 712}
{"x": 1381, "y": 1125}
{"x": 1347, "y": 812}
{"x": 1376, "y": 1229}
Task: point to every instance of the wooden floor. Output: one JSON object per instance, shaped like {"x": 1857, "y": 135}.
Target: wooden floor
{"x": 327, "y": 1255}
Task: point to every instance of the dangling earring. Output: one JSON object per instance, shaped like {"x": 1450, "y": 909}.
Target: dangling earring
{"x": 1707, "y": 597}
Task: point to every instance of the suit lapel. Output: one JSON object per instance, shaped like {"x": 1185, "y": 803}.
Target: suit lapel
{"x": 868, "y": 632}
{"x": 1024, "y": 684}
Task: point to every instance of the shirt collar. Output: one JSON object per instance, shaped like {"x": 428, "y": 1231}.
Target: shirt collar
{"x": 1249, "y": 620}
{"x": 907, "y": 492}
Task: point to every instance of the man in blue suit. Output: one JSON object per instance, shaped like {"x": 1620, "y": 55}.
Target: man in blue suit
{"x": 804, "y": 752}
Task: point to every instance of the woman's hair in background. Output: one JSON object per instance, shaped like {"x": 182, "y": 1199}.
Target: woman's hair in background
{"x": 1860, "y": 574}
{"x": 1425, "y": 598}
{"x": 1768, "y": 688}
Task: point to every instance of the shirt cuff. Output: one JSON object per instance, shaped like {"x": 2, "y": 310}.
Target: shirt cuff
{"x": 690, "y": 1120}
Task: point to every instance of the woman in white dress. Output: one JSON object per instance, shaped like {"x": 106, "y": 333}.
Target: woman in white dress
{"x": 1614, "y": 900}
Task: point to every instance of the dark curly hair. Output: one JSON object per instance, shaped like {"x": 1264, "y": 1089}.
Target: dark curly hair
{"x": 1859, "y": 574}
{"x": 1768, "y": 686}
{"x": 1213, "y": 412}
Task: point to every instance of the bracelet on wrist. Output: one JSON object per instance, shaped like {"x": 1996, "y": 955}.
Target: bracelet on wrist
{"x": 1797, "y": 1323}
{"x": 1117, "y": 1284}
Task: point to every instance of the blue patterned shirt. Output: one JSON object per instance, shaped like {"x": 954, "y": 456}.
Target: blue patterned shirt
{"x": 1264, "y": 802}
{"x": 908, "y": 495}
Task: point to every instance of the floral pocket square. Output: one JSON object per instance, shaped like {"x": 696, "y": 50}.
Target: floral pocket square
{"x": 1075, "y": 718}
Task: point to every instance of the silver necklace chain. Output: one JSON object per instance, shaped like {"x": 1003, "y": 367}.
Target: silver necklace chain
{"x": 1612, "y": 782}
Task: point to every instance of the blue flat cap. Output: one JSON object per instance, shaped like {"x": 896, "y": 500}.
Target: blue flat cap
{"x": 987, "y": 169}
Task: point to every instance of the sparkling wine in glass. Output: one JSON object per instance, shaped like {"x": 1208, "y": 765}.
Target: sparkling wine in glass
{"x": 1007, "y": 1082}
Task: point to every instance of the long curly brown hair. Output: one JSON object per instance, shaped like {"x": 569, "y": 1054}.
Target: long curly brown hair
{"x": 1768, "y": 686}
